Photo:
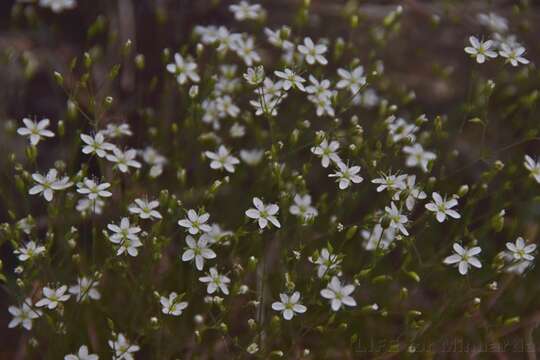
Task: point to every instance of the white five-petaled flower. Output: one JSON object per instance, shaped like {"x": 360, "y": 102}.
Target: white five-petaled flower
{"x": 327, "y": 151}
{"x": 263, "y": 213}
{"x": 172, "y": 305}
{"x": 290, "y": 79}
{"x": 122, "y": 348}
{"x": 145, "y": 209}
{"x": 46, "y": 185}
{"x": 126, "y": 236}
{"x": 29, "y": 251}
{"x": 57, "y": 6}
{"x": 464, "y": 258}
{"x": 23, "y": 315}
{"x": 82, "y": 354}
{"x": 183, "y": 69}
{"x": 52, "y": 297}
{"x": 346, "y": 175}
{"x": 520, "y": 250}
{"x": 338, "y": 294}
{"x": 96, "y": 145}
{"x": 124, "y": 159}
{"x": 302, "y": 207}
{"x": 245, "y": 11}
{"x": 313, "y": 52}
{"x": 196, "y": 223}
{"x": 289, "y": 305}
{"x": 198, "y": 250}
{"x": 390, "y": 182}
{"x": 418, "y": 156}
{"x": 222, "y": 159}
{"x": 114, "y": 131}
{"x": 412, "y": 191}
{"x": 93, "y": 190}
{"x": 480, "y": 50}
{"x": 513, "y": 54}
{"x": 85, "y": 289}
{"x": 326, "y": 262}
{"x": 442, "y": 207}
{"x": 215, "y": 281}
{"x": 35, "y": 130}
{"x": 352, "y": 80}
{"x": 397, "y": 220}
{"x": 533, "y": 167}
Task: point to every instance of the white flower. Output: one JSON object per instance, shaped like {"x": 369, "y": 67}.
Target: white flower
{"x": 302, "y": 207}
{"x": 195, "y": 223}
{"x": 216, "y": 234}
{"x": 413, "y": 193}
{"x": 254, "y": 76}
{"x": 347, "y": 175}
{"x": 126, "y": 236}
{"x": 378, "y": 238}
{"x": 251, "y": 157}
{"x": 338, "y": 295}
{"x": 326, "y": 261}
{"x": 464, "y": 258}
{"x": 480, "y": 50}
{"x": 48, "y": 184}
{"x": 222, "y": 159}
{"x": 533, "y": 167}
{"x": 397, "y": 220}
{"x": 279, "y": 37}
{"x": 198, "y": 250}
{"x": 327, "y": 152}
{"x": 443, "y": 208}
{"x": 86, "y": 205}
{"x": 400, "y": 129}
{"x": 29, "y": 251}
{"x": 321, "y": 89}
{"x": 263, "y": 213}
{"x": 145, "y": 209}
{"x": 23, "y": 315}
{"x": 352, "y": 80}
{"x": 35, "y": 130}
{"x": 290, "y": 79}
{"x": 172, "y": 305}
{"x": 155, "y": 160}
{"x": 183, "y": 69}
{"x": 124, "y": 159}
{"x": 117, "y": 130}
{"x": 122, "y": 348}
{"x": 93, "y": 190}
{"x": 85, "y": 289}
{"x": 313, "y": 52}
{"x": 245, "y": 48}
{"x": 418, "y": 156}
{"x": 520, "y": 250}
{"x": 245, "y": 11}
{"x": 215, "y": 282}
{"x": 96, "y": 145}
{"x": 58, "y": 6}
{"x": 237, "y": 130}
{"x": 494, "y": 22}
{"x": 82, "y": 354}
{"x": 226, "y": 107}
{"x": 390, "y": 182}
{"x": 289, "y": 305}
{"x": 52, "y": 297}
{"x": 513, "y": 54}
